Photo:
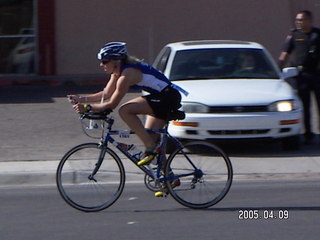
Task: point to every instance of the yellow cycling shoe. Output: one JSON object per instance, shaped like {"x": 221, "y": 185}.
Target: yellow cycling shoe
{"x": 159, "y": 194}
{"x": 165, "y": 191}
{"x": 147, "y": 159}
{"x": 149, "y": 156}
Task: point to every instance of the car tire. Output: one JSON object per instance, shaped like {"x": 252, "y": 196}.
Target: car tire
{"x": 291, "y": 143}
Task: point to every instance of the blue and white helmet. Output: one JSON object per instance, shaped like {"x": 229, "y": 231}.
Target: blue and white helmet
{"x": 113, "y": 51}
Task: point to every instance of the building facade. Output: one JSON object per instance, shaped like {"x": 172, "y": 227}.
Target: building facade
{"x": 40, "y": 38}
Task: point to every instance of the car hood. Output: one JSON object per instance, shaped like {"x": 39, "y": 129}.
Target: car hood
{"x": 236, "y": 91}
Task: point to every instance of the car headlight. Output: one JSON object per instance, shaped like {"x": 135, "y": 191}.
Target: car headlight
{"x": 283, "y": 106}
{"x": 190, "y": 107}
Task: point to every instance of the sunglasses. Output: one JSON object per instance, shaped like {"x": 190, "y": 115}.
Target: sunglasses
{"x": 105, "y": 62}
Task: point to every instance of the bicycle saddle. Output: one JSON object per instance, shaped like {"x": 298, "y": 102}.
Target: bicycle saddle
{"x": 176, "y": 115}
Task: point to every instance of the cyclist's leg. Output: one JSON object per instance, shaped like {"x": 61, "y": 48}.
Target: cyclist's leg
{"x": 155, "y": 124}
{"x": 129, "y": 112}
{"x": 156, "y": 106}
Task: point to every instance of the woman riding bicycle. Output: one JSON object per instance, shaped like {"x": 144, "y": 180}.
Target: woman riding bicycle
{"x": 127, "y": 71}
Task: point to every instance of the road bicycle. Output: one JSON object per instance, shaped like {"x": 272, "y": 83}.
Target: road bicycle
{"x": 91, "y": 176}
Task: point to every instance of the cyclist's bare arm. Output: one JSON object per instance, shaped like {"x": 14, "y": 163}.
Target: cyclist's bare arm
{"x": 96, "y": 97}
{"x": 118, "y": 89}
{"x": 106, "y": 92}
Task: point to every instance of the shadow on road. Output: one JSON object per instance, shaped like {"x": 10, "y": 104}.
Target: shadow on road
{"x": 41, "y": 94}
{"x": 250, "y": 148}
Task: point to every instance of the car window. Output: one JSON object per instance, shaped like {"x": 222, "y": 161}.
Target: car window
{"x": 222, "y": 63}
{"x": 161, "y": 61}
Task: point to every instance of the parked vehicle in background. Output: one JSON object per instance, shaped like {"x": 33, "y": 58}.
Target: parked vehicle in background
{"x": 236, "y": 91}
{"x": 21, "y": 59}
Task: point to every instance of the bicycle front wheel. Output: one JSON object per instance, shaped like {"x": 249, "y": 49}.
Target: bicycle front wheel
{"x": 199, "y": 174}
{"x": 90, "y": 178}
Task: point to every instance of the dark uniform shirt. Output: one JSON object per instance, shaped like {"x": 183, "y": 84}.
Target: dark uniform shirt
{"x": 304, "y": 49}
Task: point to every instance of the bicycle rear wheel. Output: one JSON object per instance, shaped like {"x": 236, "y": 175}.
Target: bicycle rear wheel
{"x": 205, "y": 174}
{"x": 90, "y": 178}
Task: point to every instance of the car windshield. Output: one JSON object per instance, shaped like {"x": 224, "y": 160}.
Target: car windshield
{"x": 222, "y": 64}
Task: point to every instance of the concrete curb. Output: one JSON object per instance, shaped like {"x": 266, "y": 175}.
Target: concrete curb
{"x": 49, "y": 178}
{"x": 44, "y": 172}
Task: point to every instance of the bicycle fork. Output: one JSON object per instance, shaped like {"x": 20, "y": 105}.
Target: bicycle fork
{"x": 91, "y": 177}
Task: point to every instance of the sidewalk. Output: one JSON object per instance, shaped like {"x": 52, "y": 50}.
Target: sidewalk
{"x": 38, "y": 126}
{"x": 43, "y": 172}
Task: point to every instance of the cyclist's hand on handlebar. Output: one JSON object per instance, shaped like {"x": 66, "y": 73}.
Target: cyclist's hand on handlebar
{"x": 79, "y": 108}
{"x": 96, "y": 108}
{"x": 73, "y": 99}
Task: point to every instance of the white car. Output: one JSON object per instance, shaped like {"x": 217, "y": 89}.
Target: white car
{"x": 236, "y": 91}
{"x": 21, "y": 59}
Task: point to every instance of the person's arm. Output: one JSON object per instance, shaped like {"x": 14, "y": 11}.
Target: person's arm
{"x": 286, "y": 49}
{"x": 120, "y": 87}
{"x": 95, "y": 97}
{"x": 282, "y": 60}
{"x": 74, "y": 99}
{"x": 106, "y": 92}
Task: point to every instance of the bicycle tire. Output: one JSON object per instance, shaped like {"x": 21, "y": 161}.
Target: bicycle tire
{"x": 204, "y": 171}
{"x": 74, "y": 183}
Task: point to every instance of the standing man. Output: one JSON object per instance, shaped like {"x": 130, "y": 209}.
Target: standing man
{"x": 302, "y": 50}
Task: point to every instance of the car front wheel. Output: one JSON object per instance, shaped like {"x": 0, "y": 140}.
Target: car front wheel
{"x": 291, "y": 143}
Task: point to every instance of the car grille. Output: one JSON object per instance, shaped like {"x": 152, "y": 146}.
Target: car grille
{"x": 238, "y": 109}
{"x": 239, "y": 132}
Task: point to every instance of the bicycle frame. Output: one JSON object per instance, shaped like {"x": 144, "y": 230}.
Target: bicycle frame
{"x": 164, "y": 135}
{"x": 196, "y": 168}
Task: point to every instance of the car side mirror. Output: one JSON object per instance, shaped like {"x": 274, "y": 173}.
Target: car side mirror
{"x": 289, "y": 72}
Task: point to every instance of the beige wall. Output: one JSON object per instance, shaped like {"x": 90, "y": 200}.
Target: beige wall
{"x": 83, "y": 26}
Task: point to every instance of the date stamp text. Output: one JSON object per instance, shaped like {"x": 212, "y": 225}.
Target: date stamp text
{"x": 255, "y": 214}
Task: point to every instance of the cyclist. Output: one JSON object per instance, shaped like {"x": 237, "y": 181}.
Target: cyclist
{"x": 126, "y": 71}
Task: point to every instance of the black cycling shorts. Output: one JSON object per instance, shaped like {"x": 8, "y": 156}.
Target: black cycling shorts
{"x": 164, "y": 102}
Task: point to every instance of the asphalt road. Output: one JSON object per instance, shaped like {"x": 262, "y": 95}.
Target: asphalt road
{"x": 39, "y": 213}
{"x": 38, "y": 123}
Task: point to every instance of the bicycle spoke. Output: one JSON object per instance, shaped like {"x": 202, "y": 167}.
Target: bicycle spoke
{"x": 205, "y": 174}
{"x": 87, "y": 183}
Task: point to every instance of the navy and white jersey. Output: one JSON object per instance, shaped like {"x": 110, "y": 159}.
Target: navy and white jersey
{"x": 152, "y": 80}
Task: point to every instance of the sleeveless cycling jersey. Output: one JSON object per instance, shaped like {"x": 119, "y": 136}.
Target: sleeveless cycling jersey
{"x": 152, "y": 80}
